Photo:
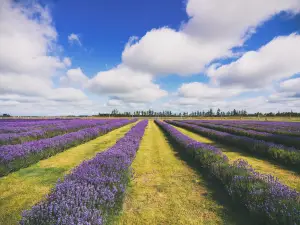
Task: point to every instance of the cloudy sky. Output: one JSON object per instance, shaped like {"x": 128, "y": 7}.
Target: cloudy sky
{"x": 84, "y": 57}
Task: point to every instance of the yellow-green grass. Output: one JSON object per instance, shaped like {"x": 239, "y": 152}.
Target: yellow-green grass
{"x": 22, "y": 189}
{"x": 166, "y": 190}
{"x": 286, "y": 176}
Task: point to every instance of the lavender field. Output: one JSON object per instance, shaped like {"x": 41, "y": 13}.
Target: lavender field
{"x": 104, "y": 171}
{"x": 164, "y": 112}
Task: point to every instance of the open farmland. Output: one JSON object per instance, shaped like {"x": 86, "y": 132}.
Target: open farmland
{"x": 178, "y": 112}
{"x": 130, "y": 171}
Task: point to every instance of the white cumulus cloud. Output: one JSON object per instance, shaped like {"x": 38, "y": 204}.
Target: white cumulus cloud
{"x": 292, "y": 85}
{"x": 203, "y": 91}
{"x": 67, "y": 61}
{"x": 126, "y": 84}
{"x": 214, "y": 27}
{"x": 74, "y": 38}
{"x": 75, "y": 78}
{"x": 29, "y": 60}
{"x": 276, "y": 60}
{"x": 25, "y": 42}
{"x": 166, "y": 51}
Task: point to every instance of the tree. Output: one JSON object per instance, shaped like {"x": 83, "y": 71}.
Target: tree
{"x": 219, "y": 112}
{"x": 114, "y": 112}
{"x": 235, "y": 113}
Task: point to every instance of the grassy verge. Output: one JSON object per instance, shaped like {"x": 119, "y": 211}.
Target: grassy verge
{"x": 286, "y": 176}
{"x": 166, "y": 190}
{"x": 22, "y": 189}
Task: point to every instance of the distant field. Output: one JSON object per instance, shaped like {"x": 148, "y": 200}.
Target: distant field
{"x": 130, "y": 171}
{"x": 292, "y": 119}
{"x": 261, "y": 118}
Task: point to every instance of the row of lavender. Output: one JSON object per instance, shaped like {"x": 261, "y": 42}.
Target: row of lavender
{"x": 93, "y": 192}
{"x": 263, "y": 123}
{"x": 49, "y": 130}
{"x": 276, "y": 138}
{"x": 30, "y": 120}
{"x": 263, "y": 195}
{"x": 283, "y": 155}
{"x": 22, "y": 126}
{"x": 281, "y": 128}
{"x": 14, "y": 157}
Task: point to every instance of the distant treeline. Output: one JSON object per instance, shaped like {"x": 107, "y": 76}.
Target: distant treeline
{"x": 166, "y": 113}
{"x": 5, "y": 115}
{"x": 199, "y": 113}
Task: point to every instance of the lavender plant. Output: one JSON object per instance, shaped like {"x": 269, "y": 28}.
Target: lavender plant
{"x": 276, "y": 138}
{"x": 93, "y": 192}
{"x": 16, "y": 126}
{"x": 262, "y": 195}
{"x": 281, "y": 128}
{"x": 52, "y": 130}
{"x": 14, "y": 157}
{"x": 289, "y": 157}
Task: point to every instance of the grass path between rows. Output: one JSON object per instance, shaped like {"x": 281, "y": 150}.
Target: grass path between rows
{"x": 286, "y": 176}
{"x": 22, "y": 189}
{"x": 166, "y": 190}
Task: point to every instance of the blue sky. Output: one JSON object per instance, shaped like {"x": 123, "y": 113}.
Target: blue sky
{"x": 104, "y": 27}
{"x": 77, "y": 57}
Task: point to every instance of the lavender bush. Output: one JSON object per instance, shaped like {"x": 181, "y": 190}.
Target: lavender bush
{"x": 52, "y": 130}
{"x": 276, "y": 138}
{"x": 263, "y": 195}
{"x": 289, "y": 157}
{"x": 14, "y": 157}
{"x": 93, "y": 192}
{"x": 17, "y": 126}
{"x": 190, "y": 144}
{"x": 281, "y": 128}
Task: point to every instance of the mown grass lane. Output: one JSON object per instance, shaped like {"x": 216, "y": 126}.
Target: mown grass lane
{"x": 166, "y": 190}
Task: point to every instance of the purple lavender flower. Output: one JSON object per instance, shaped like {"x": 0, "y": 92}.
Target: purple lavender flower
{"x": 263, "y": 195}
{"x": 190, "y": 144}
{"x": 14, "y": 157}
{"x": 276, "y": 138}
{"x": 51, "y": 130}
{"x": 283, "y": 155}
{"x": 285, "y": 128}
{"x": 93, "y": 192}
